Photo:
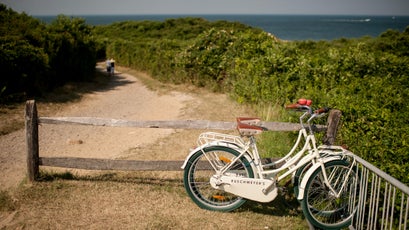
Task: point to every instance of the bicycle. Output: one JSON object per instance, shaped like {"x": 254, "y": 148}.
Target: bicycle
{"x": 226, "y": 170}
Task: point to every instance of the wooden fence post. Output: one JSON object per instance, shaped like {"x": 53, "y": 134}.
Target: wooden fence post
{"x": 332, "y": 127}
{"x": 31, "y": 123}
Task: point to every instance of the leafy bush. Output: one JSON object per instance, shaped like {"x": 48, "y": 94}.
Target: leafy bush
{"x": 366, "y": 78}
{"x": 71, "y": 49}
{"x": 36, "y": 57}
{"x": 157, "y": 47}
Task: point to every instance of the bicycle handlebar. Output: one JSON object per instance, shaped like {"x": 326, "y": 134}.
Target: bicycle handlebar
{"x": 304, "y": 105}
{"x": 292, "y": 106}
{"x": 322, "y": 110}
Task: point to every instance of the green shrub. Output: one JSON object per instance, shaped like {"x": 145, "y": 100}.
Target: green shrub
{"x": 36, "y": 57}
{"x": 366, "y": 78}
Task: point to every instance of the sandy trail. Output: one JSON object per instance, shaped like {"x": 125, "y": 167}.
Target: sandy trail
{"x": 124, "y": 98}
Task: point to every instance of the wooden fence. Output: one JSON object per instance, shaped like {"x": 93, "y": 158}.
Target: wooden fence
{"x": 383, "y": 201}
{"x": 34, "y": 160}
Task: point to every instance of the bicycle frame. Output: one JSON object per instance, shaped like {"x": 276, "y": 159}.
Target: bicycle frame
{"x": 262, "y": 187}
{"x": 226, "y": 170}
{"x": 251, "y": 150}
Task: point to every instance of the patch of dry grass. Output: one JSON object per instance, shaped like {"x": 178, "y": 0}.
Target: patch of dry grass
{"x": 135, "y": 200}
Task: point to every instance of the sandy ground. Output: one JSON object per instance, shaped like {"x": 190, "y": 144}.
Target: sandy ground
{"x": 138, "y": 200}
{"x": 124, "y": 98}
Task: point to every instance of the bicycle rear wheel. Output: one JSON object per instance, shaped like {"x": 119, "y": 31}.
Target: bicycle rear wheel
{"x": 197, "y": 175}
{"x": 321, "y": 206}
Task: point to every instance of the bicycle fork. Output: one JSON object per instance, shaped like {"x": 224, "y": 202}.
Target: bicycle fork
{"x": 338, "y": 179}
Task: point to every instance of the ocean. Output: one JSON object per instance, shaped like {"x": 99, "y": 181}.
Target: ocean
{"x": 286, "y": 27}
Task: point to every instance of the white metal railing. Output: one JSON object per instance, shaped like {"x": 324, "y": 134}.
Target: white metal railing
{"x": 383, "y": 200}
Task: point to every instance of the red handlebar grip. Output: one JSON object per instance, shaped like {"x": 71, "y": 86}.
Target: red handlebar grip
{"x": 292, "y": 106}
{"x": 321, "y": 110}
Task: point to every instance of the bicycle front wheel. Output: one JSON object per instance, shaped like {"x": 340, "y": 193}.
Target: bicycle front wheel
{"x": 299, "y": 174}
{"x": 324, "y": 208}
{"x": 201, "y": 167}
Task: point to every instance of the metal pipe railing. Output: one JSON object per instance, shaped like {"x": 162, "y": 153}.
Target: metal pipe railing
{"x": 383, "y": 200}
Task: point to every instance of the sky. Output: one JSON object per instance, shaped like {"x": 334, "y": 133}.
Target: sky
{"x": 191, "y": 7}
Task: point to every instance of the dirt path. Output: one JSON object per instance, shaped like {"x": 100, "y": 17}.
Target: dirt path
{"x": 124, "y": 98}
{"x": 124, "y": 200}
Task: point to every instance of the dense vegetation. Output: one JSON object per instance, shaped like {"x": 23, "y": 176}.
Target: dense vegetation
{"x": 366, "y": 78}
{"x": 36, "y": 57}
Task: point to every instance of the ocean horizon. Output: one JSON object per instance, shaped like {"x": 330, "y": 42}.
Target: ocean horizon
{"x": 286, "y": 27}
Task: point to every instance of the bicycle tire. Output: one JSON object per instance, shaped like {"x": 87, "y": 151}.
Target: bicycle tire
{"x": 323, "y": 209}
{"x": 299, "y": 173}
{"x": 198, "y": 171}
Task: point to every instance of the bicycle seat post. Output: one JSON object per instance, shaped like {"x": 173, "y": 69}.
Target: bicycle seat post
{"x": 252, "y": 140}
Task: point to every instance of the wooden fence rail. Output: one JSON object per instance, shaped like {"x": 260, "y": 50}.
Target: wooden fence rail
{"x": 171, "y": 124}
{"x": 34, "y": 160}
{"x": 108, "y": 164}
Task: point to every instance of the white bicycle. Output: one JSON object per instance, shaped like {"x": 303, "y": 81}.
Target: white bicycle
{"x": 226, "y": 170}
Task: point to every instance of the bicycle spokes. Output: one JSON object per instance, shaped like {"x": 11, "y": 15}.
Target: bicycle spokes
{"x": 328, "y": 194}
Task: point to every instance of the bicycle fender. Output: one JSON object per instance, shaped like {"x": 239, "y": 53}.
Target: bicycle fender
{"x": 215, "y": 143}
{"x": 309, "y": 173}
{"x": 190, "y": 155}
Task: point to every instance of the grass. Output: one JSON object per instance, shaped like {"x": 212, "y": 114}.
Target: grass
{"x": 276, "y": 144}
{"x": 6, "y": 201}
{"x": 135, "y": 200}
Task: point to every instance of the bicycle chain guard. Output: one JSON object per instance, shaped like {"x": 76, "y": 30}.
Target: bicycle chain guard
{"x": 261, "y": 190}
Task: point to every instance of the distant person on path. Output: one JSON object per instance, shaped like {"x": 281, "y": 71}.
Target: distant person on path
{"x": 108, "y": 64}
{"x": 112, "y": 66}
